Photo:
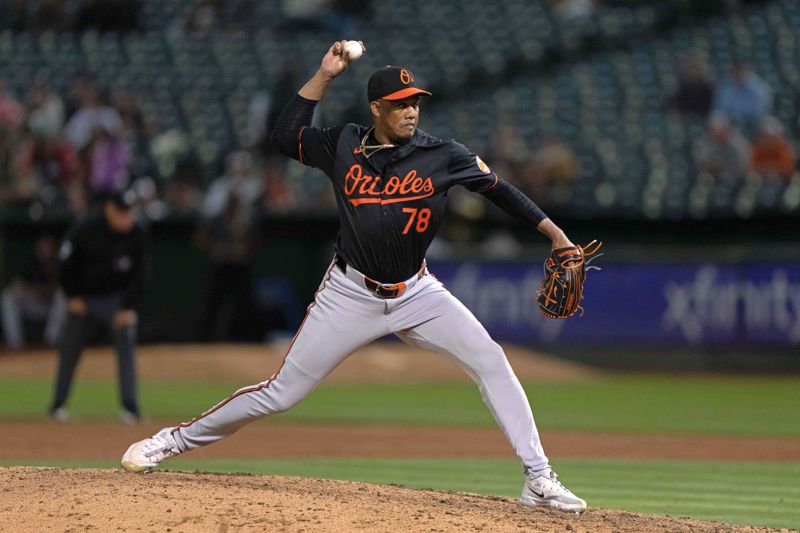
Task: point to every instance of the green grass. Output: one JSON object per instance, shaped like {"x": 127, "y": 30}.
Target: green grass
{"x": 765, "y": 494}
{"x": 747, "y": 406}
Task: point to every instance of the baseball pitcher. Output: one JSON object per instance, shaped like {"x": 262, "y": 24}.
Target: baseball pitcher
{"x": 391, "y": 181}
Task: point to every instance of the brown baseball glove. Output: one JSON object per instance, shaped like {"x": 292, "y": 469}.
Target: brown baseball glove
{"x": 561, "y": 290}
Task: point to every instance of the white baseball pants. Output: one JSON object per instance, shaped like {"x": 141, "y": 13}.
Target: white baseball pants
{"x": 344, "y": 316}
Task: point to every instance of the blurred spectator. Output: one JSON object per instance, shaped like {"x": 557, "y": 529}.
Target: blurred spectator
{"x": 183, "y": 197}
{"x": 78, "y": 199}
{"x": 772, "y": 153}
{"x": 136, "y": 134}
{"x": 45, "y": 111}
{"x": 237, "y": 180}
{"x": 12, "y": 113}
{"x": 258, "y": 111}
{"x": 20, "y": 182}
{"x": 34, "y": 296}
{"x": 723, "y": 151}
{"x": 169, "y": 149}
{"x": 508, "y": 153}
{"x": 7, "y": 182}
{"x": 557, "y": 162}
{"x": 277, "y": 196}
{"x": 552, "y": 165}
{"x": 134, "y": 124}
{"x": 108, "y": 157}
{"x": 696, "y": 90}
{"x": 150, "y": 206}
{"x": 91, "y": 115}
{"x": 55, "y": 161}
{"x": 743, "y": 97}
{"x": 229, "y": 239}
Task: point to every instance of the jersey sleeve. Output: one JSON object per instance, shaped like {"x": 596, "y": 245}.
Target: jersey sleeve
{"x": 317, "y": 146}
{"x": 469, "y": 170}
{"x": 294, "y": 136}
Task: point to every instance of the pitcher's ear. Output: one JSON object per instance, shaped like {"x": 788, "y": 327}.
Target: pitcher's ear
{"x": 375, "y": 108}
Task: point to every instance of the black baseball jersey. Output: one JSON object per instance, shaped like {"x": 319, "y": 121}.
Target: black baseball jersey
{"x": 390, "y": 203}
{"x": 96, "y": 261}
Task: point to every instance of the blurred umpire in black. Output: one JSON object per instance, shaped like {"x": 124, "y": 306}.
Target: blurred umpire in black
{"x": 103, "y": 265}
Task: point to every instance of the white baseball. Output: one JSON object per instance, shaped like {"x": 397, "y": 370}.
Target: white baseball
{"x": 353, "y": 50}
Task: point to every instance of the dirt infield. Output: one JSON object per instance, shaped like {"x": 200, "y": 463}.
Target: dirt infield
{"x": 47, "y": 499}
{"x": 23, "y": 440}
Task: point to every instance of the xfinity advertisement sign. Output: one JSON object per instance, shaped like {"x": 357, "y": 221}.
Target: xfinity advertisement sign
{"x": 682, "y": 303}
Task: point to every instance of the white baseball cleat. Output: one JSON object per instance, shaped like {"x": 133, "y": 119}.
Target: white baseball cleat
{"x": 59, "y": 415}
{"x": 546, "y": 490}
{"x": 143, "y": 456}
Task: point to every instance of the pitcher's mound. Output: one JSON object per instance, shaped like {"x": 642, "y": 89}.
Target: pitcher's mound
{"x": 52, "y": 499}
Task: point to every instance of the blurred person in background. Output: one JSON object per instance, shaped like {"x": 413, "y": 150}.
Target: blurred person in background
{"x": 723, "y": 152}
{"x": 696, "y": 87}
{"x": 108, "y": 157}
{"x": 743, "y": 97}
{"x": 773, "y": 154}
{"x": 136, "y": 134}
{"x": 78, "y": 199}
{"x": 238, "y": 179}
{"x": 90, "y": 115}
{"x": 103, "y": 268}
{"x": 45, "y": 111}
{"x": 17, "y": 179}
{"x": 135, "y": 128}
{"x": 20, "y": 182}
{"x": 553, "y": 165}
{"x": 508, "y": 150}
{"x": 12, "y": 114}
{"x": 229, "y": 239}
{"x": 56, "y": 165}
{"x": 276, "y": 196}
{"x": 183, "y": 197}
{"x": 34, "y": 296}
